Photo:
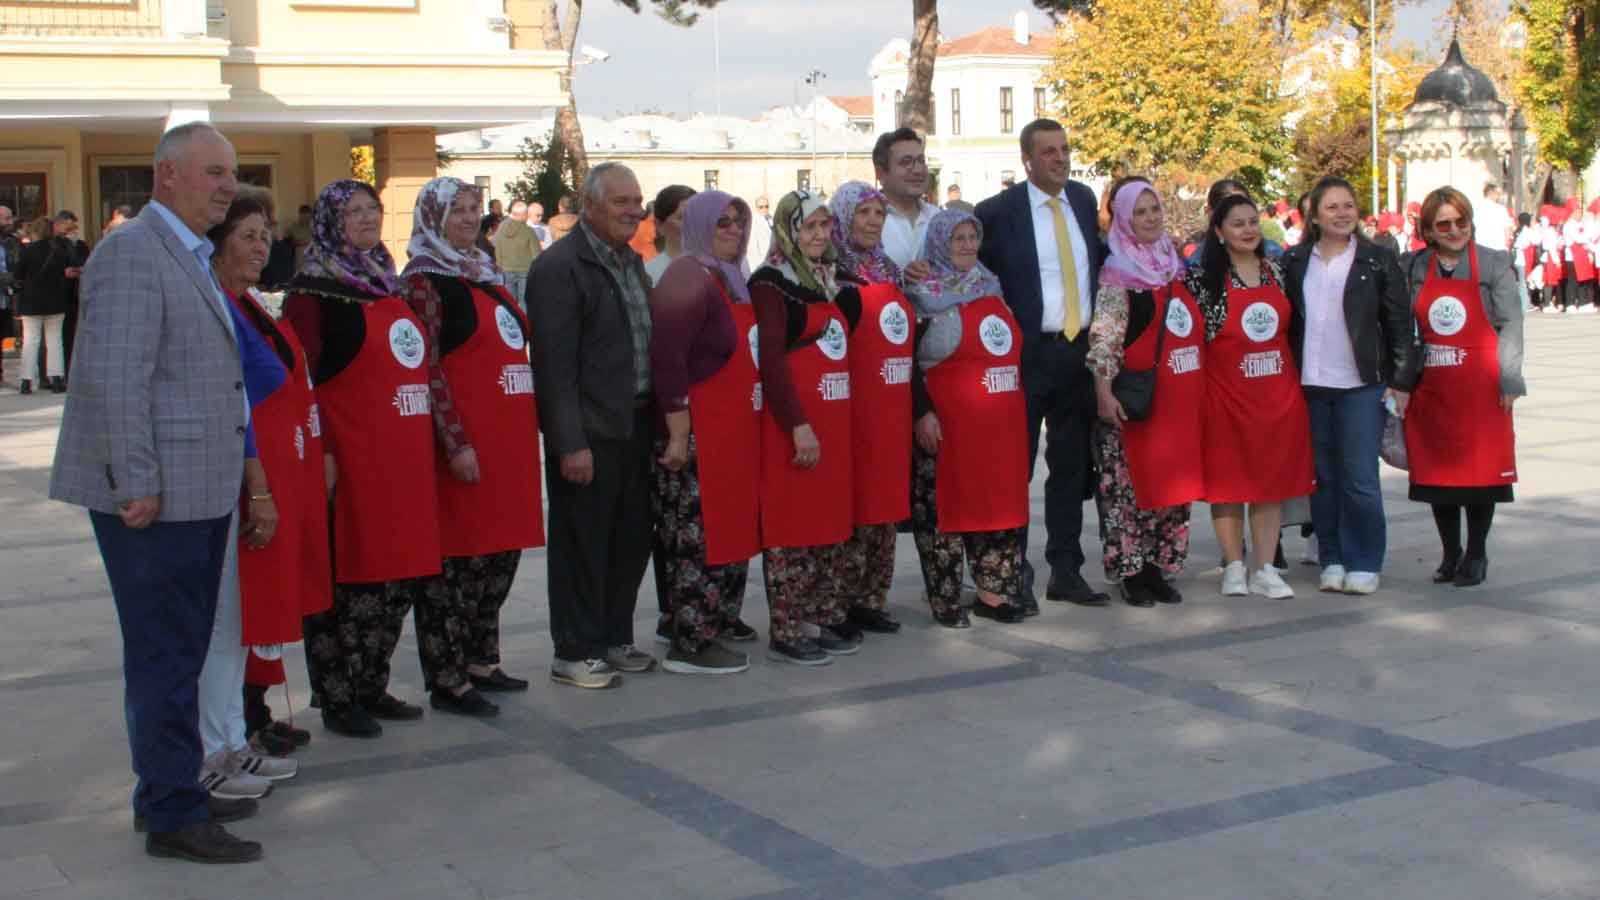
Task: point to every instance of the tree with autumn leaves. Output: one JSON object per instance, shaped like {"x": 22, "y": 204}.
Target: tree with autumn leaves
{"x": 1558, "y": 82}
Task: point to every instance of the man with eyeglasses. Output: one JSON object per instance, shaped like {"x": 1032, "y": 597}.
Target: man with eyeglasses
{"x": 901, "y": 165}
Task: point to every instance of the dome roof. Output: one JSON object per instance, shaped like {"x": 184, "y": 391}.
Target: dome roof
{"x": 1455, "y": 82}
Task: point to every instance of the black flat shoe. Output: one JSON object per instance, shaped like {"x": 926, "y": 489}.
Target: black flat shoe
{"x": 393, "y": 709}
{"x": 1472, "y": 572}
{"x": 954, "y": 619}
{"x": 1007, "y": 613}
{"x": 202, "y": 842}
{"x": 1028, "y": 602}
{"x": 1166, "y": 593}
{"x": 353, "y": 722}
{"x": 874, "y": 620}
{"x": 1446, "y": 572}
{"x": 1156, "y": 586}
{"x": 471, "y": 703}
{"x": 498, "y": 682}
{"x": 1135, "y": 594}
{"x": 300, "y": 736}
{"x": 1071, "y": 588}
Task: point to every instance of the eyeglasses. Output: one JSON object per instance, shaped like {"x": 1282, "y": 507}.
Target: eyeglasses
{"x": 1446, "y": 226}
{"x": 911, "y": 162}
{"x": 730, "y": 221}
{"x": 356, "y": 212}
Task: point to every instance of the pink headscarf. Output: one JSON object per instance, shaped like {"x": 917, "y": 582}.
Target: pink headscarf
{"x": 1132, "y": 265}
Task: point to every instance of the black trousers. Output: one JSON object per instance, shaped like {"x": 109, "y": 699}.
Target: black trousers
{"x": 1060, "y": 393}
{"x": 600, "y": 539}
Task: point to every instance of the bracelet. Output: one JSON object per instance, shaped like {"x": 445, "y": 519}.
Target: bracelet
{"x": 254, "y": 498}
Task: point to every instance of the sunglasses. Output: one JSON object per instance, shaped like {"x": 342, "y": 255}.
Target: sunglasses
{"x": 730, "y": 221}
{"x": 1446, "y": 226}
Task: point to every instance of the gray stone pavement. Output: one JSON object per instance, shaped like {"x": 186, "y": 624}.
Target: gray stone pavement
{"x": 1423, "y": 742}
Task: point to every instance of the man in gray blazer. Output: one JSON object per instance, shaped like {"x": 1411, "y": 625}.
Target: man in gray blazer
{"x": 152, "y": 443}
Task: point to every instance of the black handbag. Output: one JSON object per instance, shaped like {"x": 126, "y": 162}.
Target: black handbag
{"x": 1136, "y": 389}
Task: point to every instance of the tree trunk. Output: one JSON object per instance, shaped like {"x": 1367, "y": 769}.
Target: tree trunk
{"x": 566, "y": 152}
{"x": 917, "y": 112}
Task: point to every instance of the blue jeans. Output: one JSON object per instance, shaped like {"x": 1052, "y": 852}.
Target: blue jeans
{"x": 164, "y": 579}
{"x": 1347, "y": 509}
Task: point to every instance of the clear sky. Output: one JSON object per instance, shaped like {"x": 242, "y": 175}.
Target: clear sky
{"x": 769, "y": 45}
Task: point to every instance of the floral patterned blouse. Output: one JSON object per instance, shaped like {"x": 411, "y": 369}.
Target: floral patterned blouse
{"x": 1108, "y": 332}
{"x": 1215, "y": 309}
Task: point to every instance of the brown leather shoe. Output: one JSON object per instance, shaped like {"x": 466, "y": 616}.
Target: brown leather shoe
{"x": 202, "y": 842}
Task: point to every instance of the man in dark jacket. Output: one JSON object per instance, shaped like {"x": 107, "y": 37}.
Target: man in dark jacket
{"x": 10, "y": 255}
{"x": 591, "y": 360}
{"x": 48, "y": 273}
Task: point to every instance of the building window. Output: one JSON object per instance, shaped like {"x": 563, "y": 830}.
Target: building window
{"x": 1005, "y": 110}
{"x": 256, "y": 175}
{"x": 1008, "y": 178}
{"x": 125, "y": 186}
{"x": 802, "y": 180}
{"x": 25, "y": 195}
{"x": 899, "y": 108}
{"x": 712, "y": 178}
{"x": 955, "y": 111}
{"x": 1038, "y": 103}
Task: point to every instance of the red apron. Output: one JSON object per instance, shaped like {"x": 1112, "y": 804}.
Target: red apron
{"x": 811, "y": 507}
{"x": 880, "y": 403}
{"x": 1554, "y": 269}
{"x": 1582, "y": 263}
{"x": 1160, "y": 449}
{"x": 1257, "y": 432}
{"x": 725, "y": 410}
{"x": 385, "y": 502}
{"x": 1456, "y": 433}
{"x": 981, "y": 477}
{"x": 492, "y": 386}
{"x": 291, "y": 577}
{"x": 1530, "y": 258}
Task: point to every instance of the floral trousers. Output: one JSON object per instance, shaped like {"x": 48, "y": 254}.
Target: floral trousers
{"x": 995, "y": 557}
{"x": 349, "y": 646}
{"x": 697, "y": 599}
{"x": 802, "y": 589}
{"x": 458, "y": 616}
{"x": 866, "y": 567}
{"x": 1130, "y": 537}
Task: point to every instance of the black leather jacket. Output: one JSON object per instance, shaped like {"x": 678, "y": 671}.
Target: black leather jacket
{"x": 1377, "y": 311}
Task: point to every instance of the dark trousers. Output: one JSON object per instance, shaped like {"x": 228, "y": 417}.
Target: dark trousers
{"x": 349, "y": 647}
{"x": 1060, "y": 398}
{"x": 600, "y": 538}
{"x": 164, "y": 580}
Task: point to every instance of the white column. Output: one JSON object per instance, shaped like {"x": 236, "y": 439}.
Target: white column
{"x": 184, "y": 113}
{"x": 1394, "y": 185}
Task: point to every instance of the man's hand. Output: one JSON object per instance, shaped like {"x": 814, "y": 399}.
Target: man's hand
{"x": 464, "y": 466}
{"x": 676, "y": 455}
{"x": 578, "y": 467}
{"x": 141, "y": 512}
{"x": 72, "y": 271}
{"x": 1507, "y": 401}
{"x": 929, "y": 434}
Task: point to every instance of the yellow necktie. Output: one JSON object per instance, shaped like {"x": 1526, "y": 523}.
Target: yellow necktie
{"x": 1069, "y": 273}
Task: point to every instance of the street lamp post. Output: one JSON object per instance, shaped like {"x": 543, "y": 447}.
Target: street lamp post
{"x": 1372, "y": 30}
{"x": 813, "y": 78}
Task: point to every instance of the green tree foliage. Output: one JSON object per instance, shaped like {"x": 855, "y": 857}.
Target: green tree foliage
{"x": 1334, "y": 136}
{"x": 1182, "y": 90}
{"x": 1559, "y": 82}
{"x": 538, "y": 181}
{"x": 363, "y": 166}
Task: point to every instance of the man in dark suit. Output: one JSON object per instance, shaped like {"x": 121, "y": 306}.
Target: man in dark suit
{"x": 588, "y": 300}
{"x": 1041, "y": 238}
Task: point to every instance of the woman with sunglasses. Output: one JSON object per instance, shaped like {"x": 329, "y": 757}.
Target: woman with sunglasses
{"x": 1467, "y": 377}
{"x": 707, "y": 465}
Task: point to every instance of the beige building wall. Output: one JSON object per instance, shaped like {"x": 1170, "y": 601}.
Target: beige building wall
{"x": 743, "y": 176}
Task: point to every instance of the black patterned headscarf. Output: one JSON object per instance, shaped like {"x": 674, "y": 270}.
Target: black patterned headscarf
{"x": 370, "y": 273}
{"x": 430, "y": 251}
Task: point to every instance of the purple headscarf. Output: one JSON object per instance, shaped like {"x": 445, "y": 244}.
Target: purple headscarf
{"x": 1132, "y": 265}
{"x": 370, "y": 273}
{"x": 946, "y": 286}
{"x": 430, "y": 251}
{"x": 700, "y": 215}
{"x": 871, "y": 266}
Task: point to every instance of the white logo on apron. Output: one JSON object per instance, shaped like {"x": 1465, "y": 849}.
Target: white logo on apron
{"x": 299, "y": 442}
{"x": 412, "y": 400}
{"x": 1179, "y": 322}
{"x": 896, "y": 327}
{"x": 516, "y": 378}
{"x": 406, "y": 342}
{"x": 1260, "y": 322}
{"x": 995, "y": 335}
{"x": 510, "y": 328}
{"x": 754, "y": 338}
{"x": 832, "y": 342}
{"x": 1184, "y": 360}
{"x": 1447, "y": 316}
{"x": 834, "y": 386}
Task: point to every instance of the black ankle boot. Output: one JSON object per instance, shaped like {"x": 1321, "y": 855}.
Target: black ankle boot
{"x": 58, "y": 385}
{"x": 26, "y": 387}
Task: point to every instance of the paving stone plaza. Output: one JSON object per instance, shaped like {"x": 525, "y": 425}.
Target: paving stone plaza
{"x": 1423, "y": 742}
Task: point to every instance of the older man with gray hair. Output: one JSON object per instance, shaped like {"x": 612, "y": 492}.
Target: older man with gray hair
{"x": 591, "y": 358}
{"x": 153, "y": 443}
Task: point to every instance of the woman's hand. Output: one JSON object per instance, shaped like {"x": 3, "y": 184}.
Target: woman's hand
{"x": 330, "y": 470}
{"x": 917, "y": 270}
{"x": 261, "y": 522}
{"x": 464, "y": 466}
{"x": 807, "y": 452}
{"x": 676, "y": 456}
{"x": 929, "y": 434}
{"x": 1507, "y": 401}
{"x": 1402, "y": 400}
{"x": 1110, "y": 408}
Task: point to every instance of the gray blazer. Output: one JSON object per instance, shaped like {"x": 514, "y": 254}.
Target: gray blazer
{"x": 1497, "y": 285}
{"x": 157, "y": 405}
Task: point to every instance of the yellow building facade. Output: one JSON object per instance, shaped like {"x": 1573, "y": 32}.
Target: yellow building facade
{"x": 88, "y": 86}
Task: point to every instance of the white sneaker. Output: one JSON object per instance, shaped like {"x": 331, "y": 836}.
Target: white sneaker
{"x": 1233, "y": 580}
{"x": 1268, "y": 583}
{"x": 1332, "y": 579}
{"x": 271, "y": 768}
{"x": 221, "y": 776}
{"x": 1308, "y": 553}
{"x": 1360, "y": 582}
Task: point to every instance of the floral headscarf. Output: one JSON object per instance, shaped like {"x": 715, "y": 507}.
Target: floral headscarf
{"x": 700, "y": 215}
{"x": 369, "y": 273}
{"x": 786, "y": 256}
{"x": 871, "y": 266}
{"x": 1134, "y": 265}
{"x": 431, "y": 252}
{"x": 947, "y": 287}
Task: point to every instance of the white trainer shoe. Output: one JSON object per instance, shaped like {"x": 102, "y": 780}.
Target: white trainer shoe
{"x": 1332, "y": 579}
{"x": 272, "y": 768}
{"x": 1308, "y": 553}
{"x": 221, "y": 776}
{"x": 1268, "y": 583}
{"x": 1233, "y": 580}
{"x": 1360, "y": 583}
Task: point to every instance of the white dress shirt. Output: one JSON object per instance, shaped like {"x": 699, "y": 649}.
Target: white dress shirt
{"x": 902, "y": 237}
{"x": 1329, "y": 359}
{"x": 1044, "y": 239}
{"x": 1491, "y": 224}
